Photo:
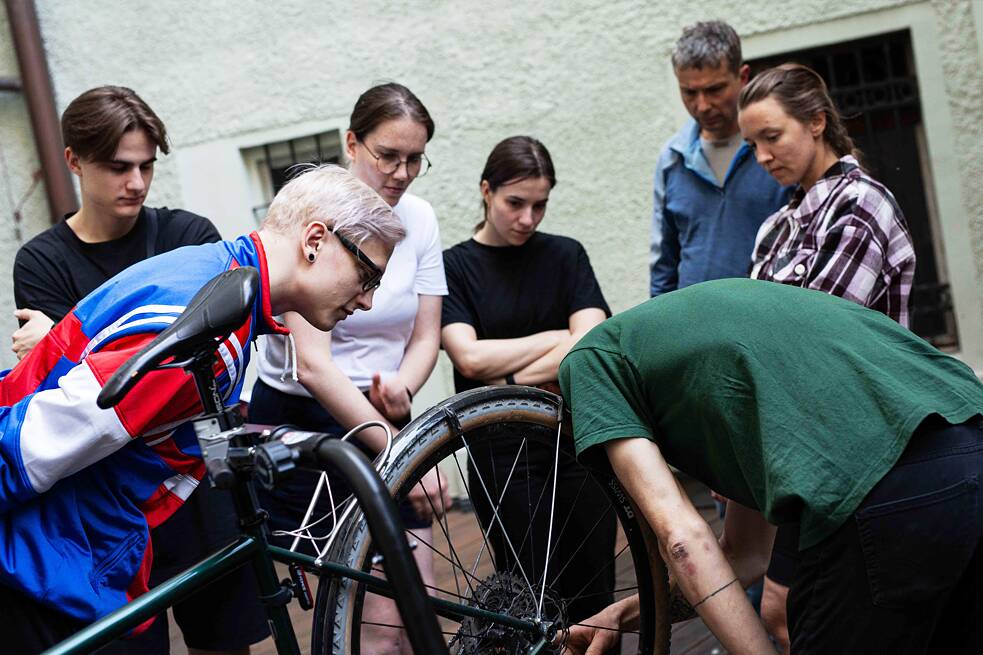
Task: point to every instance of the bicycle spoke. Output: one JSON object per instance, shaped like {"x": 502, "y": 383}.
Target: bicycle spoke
{"x": 583, "y": 541}
{"x": 450, "y": 544}
{"x": 539, "y": 501}
{"x": 572, "y": 507}
{"x": 602, "y": 593}
{"x": 484, "y": 536}
{"x": 532, "y": 541}
{"x": 549, "y": 536}
{"x": 498, "y": 505}
{"x": 447, "y": 592}
{"x": 447, "y": 531}
{"x": 603, "y": 627}
{"x": 401, "y": 627}
{"x": 601, "y": 570}
{"x": 495, "y": 516}
{"x": 445, "y": 558}
{"x": 529, "y": 535}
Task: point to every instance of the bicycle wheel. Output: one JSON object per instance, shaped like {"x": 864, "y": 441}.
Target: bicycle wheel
{"x": 474, "y": 423}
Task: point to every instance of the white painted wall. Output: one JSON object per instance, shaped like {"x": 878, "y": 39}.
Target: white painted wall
{"x": 591, "y": 79}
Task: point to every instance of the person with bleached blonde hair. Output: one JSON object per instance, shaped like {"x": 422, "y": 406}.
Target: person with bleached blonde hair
{"x": 81, "y": 486}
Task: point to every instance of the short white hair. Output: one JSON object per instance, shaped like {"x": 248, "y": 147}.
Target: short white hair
{"x": 332, "y": 195}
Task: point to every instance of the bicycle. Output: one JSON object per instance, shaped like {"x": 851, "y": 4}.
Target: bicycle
{"x": 486, "y": 611}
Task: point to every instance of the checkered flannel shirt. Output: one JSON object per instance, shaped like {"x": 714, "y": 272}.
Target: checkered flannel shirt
{"x": 845, "y": 236}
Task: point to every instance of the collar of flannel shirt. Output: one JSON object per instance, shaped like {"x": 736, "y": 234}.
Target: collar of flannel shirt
{"x": 805, "y": 204}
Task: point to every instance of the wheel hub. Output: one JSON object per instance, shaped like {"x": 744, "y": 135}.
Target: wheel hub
{"x": 507, "y": 593}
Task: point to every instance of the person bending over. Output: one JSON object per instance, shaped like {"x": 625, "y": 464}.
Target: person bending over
{"x": 804, "y": 409}
{"x": 112, "y": 138}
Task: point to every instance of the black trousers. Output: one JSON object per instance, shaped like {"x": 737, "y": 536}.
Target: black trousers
{"x": 904, "y": 574}
{"x": 584, "y": 524}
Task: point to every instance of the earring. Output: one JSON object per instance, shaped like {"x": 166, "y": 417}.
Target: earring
{"x": 310, "y": 257}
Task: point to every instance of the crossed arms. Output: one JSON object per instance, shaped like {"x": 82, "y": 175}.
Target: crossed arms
{"x": 531, "y": 360}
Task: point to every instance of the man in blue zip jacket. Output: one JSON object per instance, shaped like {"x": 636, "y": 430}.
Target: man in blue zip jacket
{"x": 710, "y": 193}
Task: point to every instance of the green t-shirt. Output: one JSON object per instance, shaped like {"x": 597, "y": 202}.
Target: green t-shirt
{"x": 787, "y": 400}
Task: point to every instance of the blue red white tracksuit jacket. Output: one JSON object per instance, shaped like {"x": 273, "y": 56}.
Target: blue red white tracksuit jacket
{"x": 80, "y": 486}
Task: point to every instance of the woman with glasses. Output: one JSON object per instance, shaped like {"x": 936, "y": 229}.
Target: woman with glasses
{"x": 518, "y": 299}
{"x": 370, "y": 365}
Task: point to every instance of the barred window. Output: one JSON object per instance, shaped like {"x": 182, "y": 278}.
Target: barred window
{"x": 271, "y": 165}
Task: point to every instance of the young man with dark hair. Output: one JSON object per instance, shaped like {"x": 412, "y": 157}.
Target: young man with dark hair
{"x": 111, "y": 142}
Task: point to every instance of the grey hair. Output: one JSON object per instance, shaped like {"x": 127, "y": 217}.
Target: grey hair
{"x": 332, "y": 195}
{"x": 705, "y": 44}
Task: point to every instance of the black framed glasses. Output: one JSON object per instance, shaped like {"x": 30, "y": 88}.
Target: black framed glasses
{"x": 375, "y": 273}
{"x": 388, "y": 162}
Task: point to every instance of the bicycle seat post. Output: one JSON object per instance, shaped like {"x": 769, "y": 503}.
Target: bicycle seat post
{"x": 201, "y": 369}
{"x": 213, "y": 426}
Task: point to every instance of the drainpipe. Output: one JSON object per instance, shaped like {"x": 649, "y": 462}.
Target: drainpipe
{"x": 36, "y": 85}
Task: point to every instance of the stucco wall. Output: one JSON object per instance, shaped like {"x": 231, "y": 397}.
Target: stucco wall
{"x": 962, "y": 62}
{"x": 590, "y": 79}
{"x": 18, "y": 162}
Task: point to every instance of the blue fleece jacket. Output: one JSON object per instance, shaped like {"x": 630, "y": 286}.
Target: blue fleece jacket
{"x": 700, "y": 229}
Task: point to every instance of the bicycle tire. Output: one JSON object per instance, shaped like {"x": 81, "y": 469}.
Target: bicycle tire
{"x": 480, "y": 414}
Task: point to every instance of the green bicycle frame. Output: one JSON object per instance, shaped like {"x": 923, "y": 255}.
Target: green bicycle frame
{"x": 235, "y": 555}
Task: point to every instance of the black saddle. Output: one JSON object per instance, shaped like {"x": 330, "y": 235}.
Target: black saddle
{"x": 221, "y": 306}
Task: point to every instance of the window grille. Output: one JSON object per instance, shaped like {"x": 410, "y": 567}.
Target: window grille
{"x": 273, "y": 164}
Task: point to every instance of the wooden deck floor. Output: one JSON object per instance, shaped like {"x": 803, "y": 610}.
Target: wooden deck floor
{"x": 690, "y": 638}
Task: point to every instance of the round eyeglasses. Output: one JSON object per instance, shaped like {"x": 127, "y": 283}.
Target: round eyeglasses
{"x": 387, "y": 162}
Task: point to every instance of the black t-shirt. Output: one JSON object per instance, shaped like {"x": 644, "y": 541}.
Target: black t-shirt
{"x": 514, "y": 291}
{"x": 56, "y": 269}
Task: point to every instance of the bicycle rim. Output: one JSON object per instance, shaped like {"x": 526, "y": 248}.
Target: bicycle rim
{"x": 463, "y": 548}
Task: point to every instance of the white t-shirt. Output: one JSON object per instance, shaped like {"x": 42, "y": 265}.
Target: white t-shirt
{"x": 375, "y": 340}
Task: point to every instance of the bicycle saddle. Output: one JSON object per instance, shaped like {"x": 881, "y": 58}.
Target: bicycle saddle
{"x": 221, "y": 306}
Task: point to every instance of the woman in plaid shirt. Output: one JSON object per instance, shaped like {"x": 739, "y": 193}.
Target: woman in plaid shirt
{"x": 842, "y": 232}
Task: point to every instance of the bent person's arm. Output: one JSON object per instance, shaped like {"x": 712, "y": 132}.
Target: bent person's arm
{"x": 687, "y": 544}
{"x": 54, "y": 433}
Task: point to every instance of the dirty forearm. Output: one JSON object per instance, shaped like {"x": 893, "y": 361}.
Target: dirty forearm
{"x": 688, "y": 546}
